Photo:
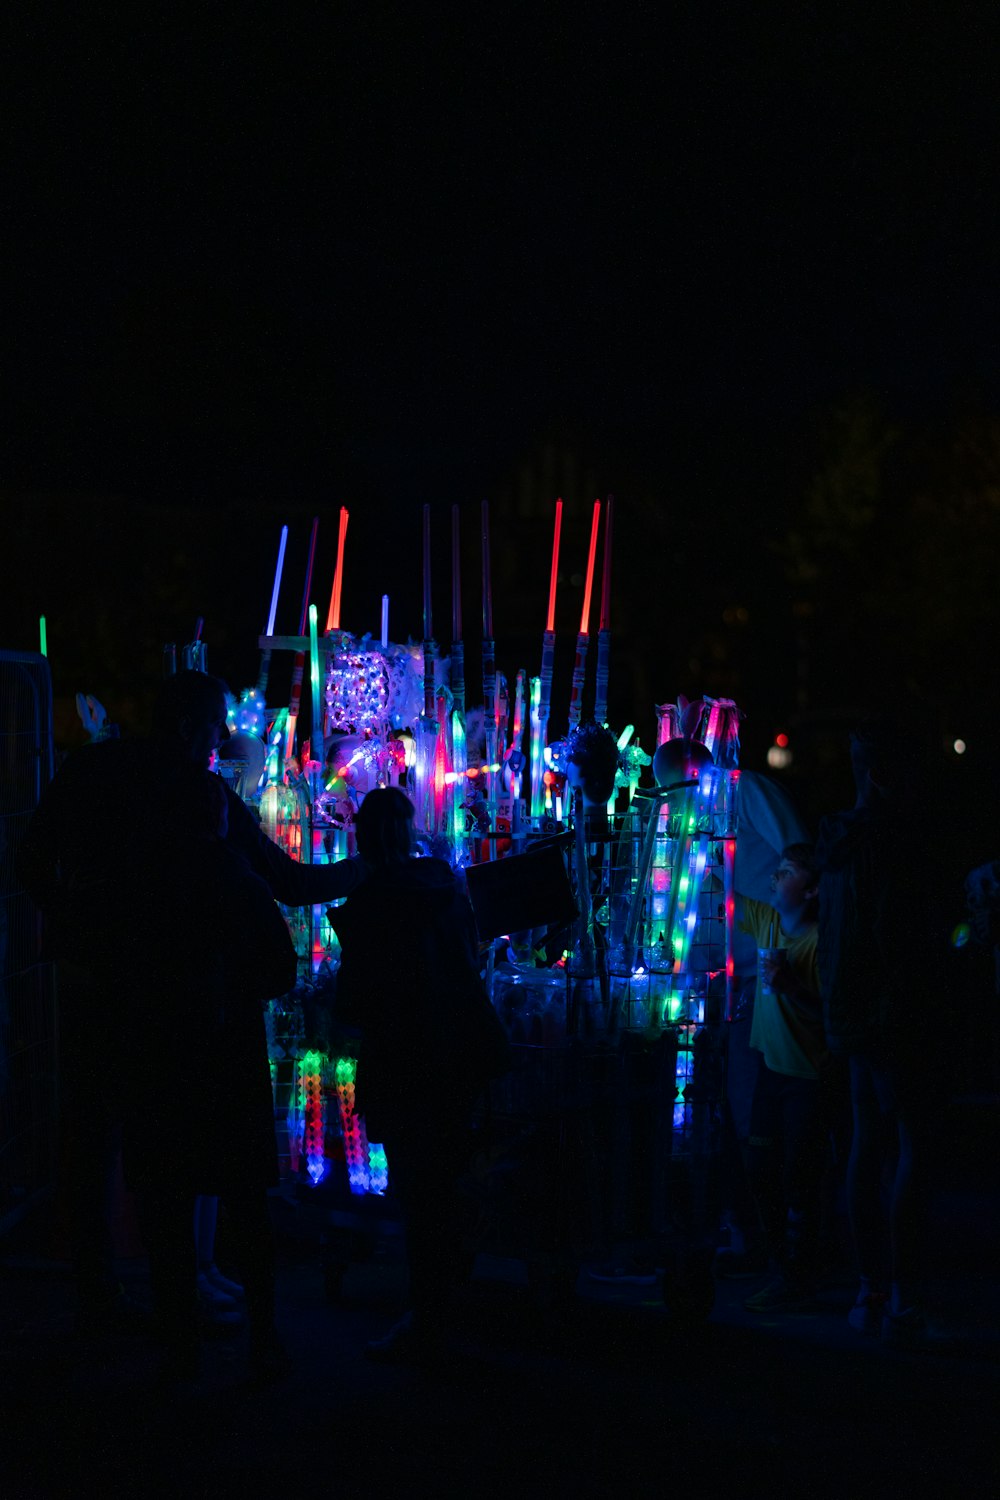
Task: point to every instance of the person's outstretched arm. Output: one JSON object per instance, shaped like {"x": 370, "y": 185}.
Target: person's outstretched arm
{"x": 291, "y": 883}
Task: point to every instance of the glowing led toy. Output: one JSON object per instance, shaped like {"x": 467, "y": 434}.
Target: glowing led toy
{"x": 248, "y": 716}
{"x": 367, "y": 1171}
{"x": 540, "y": 703}
{"x": 683, "y": 1078}
{"x": 458, "y": 774}
{"x": 378, "y": 1169}
{"x": 307, "y": 1116}
{"x": 357, "y": 692}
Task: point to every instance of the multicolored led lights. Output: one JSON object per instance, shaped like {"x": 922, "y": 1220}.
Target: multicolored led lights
{"x": 367, "y": 1168}
{"x": 386, "y": 701}
{"x": 307, "y": 1116}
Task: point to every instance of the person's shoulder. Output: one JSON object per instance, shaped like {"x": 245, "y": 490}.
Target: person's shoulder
{"x": 753, "y": 916}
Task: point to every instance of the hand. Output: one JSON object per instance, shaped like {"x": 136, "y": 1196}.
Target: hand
{"x": 93, "y": 715}
{"x": 776, "y": 973}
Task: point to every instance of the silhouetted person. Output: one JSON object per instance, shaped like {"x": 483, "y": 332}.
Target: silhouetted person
{"x": 409, "y": 977}
{"x": 880, "y": 974}
{"x": 768, "y": 823}
{"x": 86, "y": 858}
{"x": 789, "y": 1115}
{"x": 199, "y": 1115}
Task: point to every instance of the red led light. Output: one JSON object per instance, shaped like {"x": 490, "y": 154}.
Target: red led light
{"x": 781, "y": 739}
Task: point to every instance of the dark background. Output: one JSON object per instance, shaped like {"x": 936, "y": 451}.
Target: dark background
{"x": 737, "y": 266}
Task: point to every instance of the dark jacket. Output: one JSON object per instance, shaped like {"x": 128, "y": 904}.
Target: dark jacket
{"x": 199, "y": 1109}
{"x": 100, "y": 826}
{"x": 409, "y": 978}
{"x": 881, "y": 947}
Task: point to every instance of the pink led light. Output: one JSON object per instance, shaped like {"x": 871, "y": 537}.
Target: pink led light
{"x": 591, "y": 560}
{"x": 554, "y": 576}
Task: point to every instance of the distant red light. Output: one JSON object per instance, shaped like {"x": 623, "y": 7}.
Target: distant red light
{"x": 781, "y": 739}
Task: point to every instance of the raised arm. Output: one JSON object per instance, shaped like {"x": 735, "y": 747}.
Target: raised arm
{"x": 290, "y": 882}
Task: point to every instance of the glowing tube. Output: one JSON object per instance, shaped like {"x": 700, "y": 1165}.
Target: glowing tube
{"x": 317, "y": 722}
{"x": 729, "y": 896}
{"x": 645, "y": 865}
{"x": 265, "y": 655}
{"x": 43, "y": 636}
{"x": 591, "y": 559}
{"x": 300, "y": 660}
{"x": 458, "y": 755}
{"x": 688, "y": 916}
{"x": 550, "y": 623}
{"x": 333, "y": 617}
{"x": 277, "y": 581}
{"x": 517, "y": 730}
{"x": 438, "y": 771}
{"x": 385, "y": 622}
{"x": 537, "y": 749}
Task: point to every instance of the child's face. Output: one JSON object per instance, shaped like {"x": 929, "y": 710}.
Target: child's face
{"x": 791, "y": 887}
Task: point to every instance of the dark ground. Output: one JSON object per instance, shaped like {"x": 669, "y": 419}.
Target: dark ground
{"x": 604, "y": 1396}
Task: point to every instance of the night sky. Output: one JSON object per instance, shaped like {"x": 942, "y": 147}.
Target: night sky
{"x": 283, "y": 259}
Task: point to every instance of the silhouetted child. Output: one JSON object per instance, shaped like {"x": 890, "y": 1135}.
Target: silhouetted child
{"x": 409, "y": 977}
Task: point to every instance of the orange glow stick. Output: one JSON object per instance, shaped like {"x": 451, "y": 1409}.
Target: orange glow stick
{"x": 333, "y": 618}
{"x": 591, "y": 560}
{"x": 551, "y": 622}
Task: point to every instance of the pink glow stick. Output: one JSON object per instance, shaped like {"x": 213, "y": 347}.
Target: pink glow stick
{"x": 333, "y": 617}
{"x": 554, "y": 577}
{"x": 591, "y": 559}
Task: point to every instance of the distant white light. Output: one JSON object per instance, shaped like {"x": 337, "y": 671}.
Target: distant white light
{"x": 779, "y": 756}
{"x": 959, "y": 747}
